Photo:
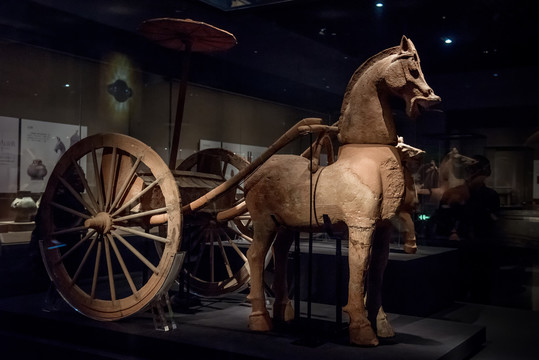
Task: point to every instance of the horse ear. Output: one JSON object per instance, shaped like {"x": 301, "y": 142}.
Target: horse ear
{"x": 406, "y": 45}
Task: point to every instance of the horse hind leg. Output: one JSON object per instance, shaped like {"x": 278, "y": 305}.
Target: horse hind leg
{"x": 259, "y": 320}
{"x": 360, "y": 330}
{"x": 408, "y": 233}
{"x": 379, "y": 258}
{"x": 282, "y": 307}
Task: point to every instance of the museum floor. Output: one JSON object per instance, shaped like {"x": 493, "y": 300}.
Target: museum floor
{"x": 216, "y": 328}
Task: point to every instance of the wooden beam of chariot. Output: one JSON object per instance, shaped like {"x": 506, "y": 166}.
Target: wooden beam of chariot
{"x": 304, "y": 126}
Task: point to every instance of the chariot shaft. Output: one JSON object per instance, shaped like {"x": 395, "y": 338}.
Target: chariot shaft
{"x": 302, "y": 127}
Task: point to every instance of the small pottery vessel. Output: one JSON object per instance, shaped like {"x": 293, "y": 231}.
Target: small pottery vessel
{"x": 36, "y": 170}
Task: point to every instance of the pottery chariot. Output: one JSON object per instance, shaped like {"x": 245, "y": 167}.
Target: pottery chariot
{"x": 114, "y": 217}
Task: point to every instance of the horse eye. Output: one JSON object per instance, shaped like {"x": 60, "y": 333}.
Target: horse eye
{"x": 414, "y": 72}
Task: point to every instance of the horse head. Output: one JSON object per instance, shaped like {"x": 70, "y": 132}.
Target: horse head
{"x": 366, "y": 116}
{"x": 453, "y": 168}
{"x": 404, "y": 78}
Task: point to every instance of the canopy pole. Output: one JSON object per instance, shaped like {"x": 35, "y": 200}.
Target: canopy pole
{"x": 180, "y": 107}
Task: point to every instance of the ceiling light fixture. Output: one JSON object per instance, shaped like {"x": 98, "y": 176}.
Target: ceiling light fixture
{"x": 379, "y": 4}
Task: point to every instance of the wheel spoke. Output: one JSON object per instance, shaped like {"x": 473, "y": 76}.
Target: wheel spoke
{"x": 243, "y": 236}
{"x": 76, "y": 246}
{"x": 223, "y": 170}
{"x": 96, "y": 268}
{"x": 83, "y": 261}
{"x": 82, "y": 178}
{"x": 69, "y": 210}
{"x": 136, "y": 197}
{"x": 98, "y": 181}
{"x": 122, "y": 264}
{"x": 109, "y": 191}
{"x": 225, "y": 257}
{"x": 143, "y": 234}
{"x": 128, "y": 180}
{"x": 77, "y": 196}
{"x": 141, "y": 214}
{"x": 136, "y": 252}
{"x": 240, "y": 188}
{"x": 109, "y": 270}
{"x": 70, "y": 230}
{"x": 237, "y": 249}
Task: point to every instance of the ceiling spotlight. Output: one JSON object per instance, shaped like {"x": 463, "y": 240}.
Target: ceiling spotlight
{"x": 379, "y": 4}
{"x": 448, "y": 41}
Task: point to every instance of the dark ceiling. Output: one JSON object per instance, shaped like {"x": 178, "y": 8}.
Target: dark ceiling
{"x": 303, "y": 52}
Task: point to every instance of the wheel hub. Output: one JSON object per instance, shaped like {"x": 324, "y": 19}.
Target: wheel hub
{"x": 102, "y": 222}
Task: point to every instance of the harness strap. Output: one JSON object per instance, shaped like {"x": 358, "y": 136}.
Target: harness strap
{"x": 314, "y": 196}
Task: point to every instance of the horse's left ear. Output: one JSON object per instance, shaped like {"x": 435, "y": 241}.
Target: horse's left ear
{"x": 406, "y": 44}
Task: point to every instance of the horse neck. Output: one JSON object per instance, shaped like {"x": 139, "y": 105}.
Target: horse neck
{"x": 367, "y": 118}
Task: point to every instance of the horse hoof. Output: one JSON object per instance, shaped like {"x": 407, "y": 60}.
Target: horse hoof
{"x": 260, "y": 321}
{"x": 410, "y": 249}
{"x": 385, "y": 333}
{"x": 362, "y": 336}
{"x": 384, "y": 330}
{"x": 383, "y": 327}
{"x": 283, "y": 312}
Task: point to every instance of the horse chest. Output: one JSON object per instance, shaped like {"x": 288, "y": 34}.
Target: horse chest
{"x": 366, "y": 181}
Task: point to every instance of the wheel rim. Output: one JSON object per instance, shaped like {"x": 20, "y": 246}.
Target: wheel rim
{"x": 216, "y": 262}
{"x": 95, "y": 221}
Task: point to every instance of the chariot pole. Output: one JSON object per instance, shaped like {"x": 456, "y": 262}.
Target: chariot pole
{"x": 185, "y": 35}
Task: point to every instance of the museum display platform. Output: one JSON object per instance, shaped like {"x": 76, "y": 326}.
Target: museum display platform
{"x": 217, "y": 328}
{"x": 417, "y": 284}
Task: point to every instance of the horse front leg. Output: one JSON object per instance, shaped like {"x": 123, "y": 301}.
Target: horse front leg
{"x": 282, "y": 307}
{"x": 360, "y": 330}
{"x": 259, "y": 320}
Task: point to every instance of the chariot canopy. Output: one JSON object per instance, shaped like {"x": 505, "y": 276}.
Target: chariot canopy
{"x": 185, "y": 35}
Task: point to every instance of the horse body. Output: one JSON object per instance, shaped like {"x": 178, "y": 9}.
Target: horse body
{"x": 362, "y": 190}
{"x": 345, "y": 190}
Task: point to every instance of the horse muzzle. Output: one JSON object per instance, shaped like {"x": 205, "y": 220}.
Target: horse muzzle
{"x": 420, "y": 103}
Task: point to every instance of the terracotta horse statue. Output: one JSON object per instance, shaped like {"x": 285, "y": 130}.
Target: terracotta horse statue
{"x": 361, "y": 191}
{"x": 451, "y": 173}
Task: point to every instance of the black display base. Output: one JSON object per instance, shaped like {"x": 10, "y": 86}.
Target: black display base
{"x": 218, "y": 329}
{"x": 418, "y": 284}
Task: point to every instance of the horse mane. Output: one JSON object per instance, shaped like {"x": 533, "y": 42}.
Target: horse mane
{"x": 361, "y": 70}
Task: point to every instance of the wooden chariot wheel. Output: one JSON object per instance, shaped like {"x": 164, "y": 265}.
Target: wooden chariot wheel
{"x": 95, "y": 225}
{"x": 215, "y": 262}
